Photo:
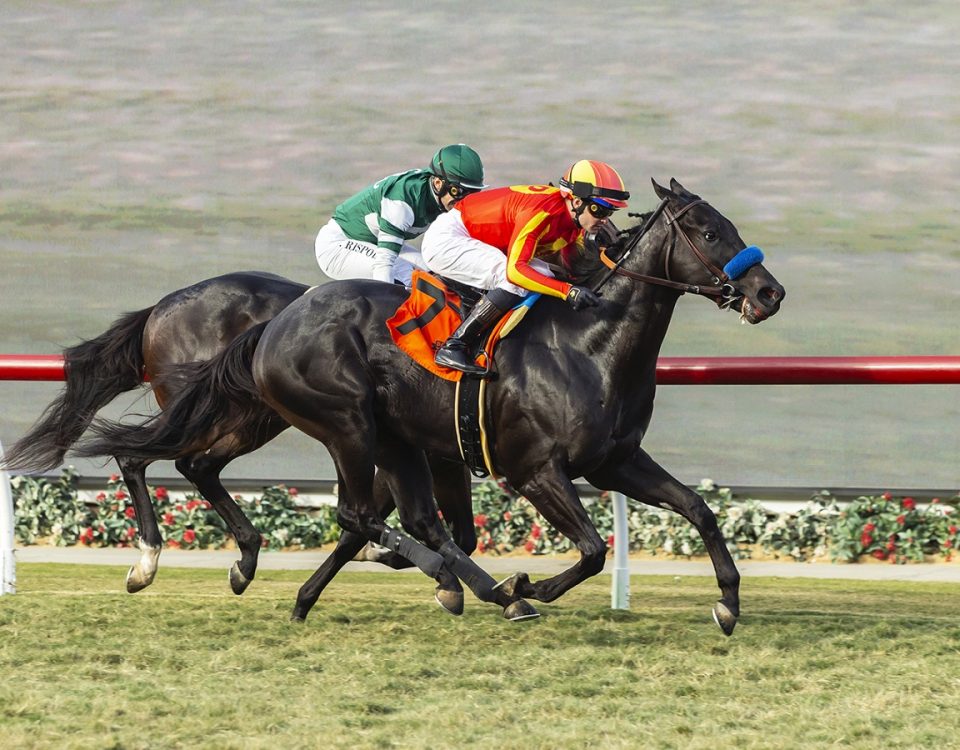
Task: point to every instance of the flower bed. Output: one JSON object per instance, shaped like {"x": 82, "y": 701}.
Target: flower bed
{"x": 897, "y": 530}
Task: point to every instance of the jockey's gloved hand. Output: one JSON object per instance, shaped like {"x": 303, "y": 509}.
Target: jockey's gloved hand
{"x": 580, "y": 298}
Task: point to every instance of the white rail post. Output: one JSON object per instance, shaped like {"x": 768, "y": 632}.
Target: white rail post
{"x": 8, "y": 564}
{"x": 620, "y": 588}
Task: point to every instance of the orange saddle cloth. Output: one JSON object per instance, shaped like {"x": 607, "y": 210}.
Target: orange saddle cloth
{"x": 425, "y": 321}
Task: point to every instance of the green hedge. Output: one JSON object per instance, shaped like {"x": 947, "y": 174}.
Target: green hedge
{"x": 884, "y": 527}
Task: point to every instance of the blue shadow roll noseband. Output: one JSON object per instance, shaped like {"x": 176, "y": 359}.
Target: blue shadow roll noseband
{"x": 743, "y": 261}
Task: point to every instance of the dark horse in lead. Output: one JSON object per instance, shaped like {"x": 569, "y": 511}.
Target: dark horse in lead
{"x": 573, "y": 396}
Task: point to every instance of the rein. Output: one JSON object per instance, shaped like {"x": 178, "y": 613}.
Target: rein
{"x": 720, "y": 289}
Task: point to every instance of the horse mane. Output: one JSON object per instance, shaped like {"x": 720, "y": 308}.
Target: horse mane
{"x": 584, "y": 266}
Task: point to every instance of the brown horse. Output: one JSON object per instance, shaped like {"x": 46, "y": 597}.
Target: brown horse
{"x": 572, "y": 397}
{"x": 188, "y": 325}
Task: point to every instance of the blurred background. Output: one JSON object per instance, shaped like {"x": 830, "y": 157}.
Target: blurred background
{"x": 146, "y": 146}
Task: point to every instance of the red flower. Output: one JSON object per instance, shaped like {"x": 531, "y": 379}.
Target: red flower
{"x": 869, "y": 527}
{"x": 610, "y": 540}
{"x": 530, "y": 546}
{"x": 173, "y": 543}
{"x": 880, "y": 554}
{"x": 535, "y": 531}
{"x": 935, "y": 501}
{"x": 114, "y": 477}
{"x": 189, "y": 536}
{"x": 952, "y": 529}
{"x": 891, "y": 546}
{"x": 130, "y": 512}
{"x": 168, "y": 519}
{"x": 909, "y": 503}
{"x": 886, "y": 496}
{"x": 161, "y": 493}
{"x": 206, "y": 504}
{"x": 865, "y": 539}
{"x": 507, "y": 515}
{"x": 86, "y": 536}
{"x": 293, "y": 492}
{"x": 178, "y": 507}
{"x": 101, "y": 496}
{"x": 481, "y": 546}
{"x": 131, "y": 532}
{"x": 901, "y": 520}
{"x": 480, "y": 520}
{"x": 193, "y": 505}
{"x": 948, "y": 544}
{"x": 120, "y": 495}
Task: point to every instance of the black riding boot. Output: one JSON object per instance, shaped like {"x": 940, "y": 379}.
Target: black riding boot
{"x": 456, "y": 351}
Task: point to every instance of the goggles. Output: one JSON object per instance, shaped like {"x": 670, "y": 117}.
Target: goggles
{"x": 458, "y": 191}
{"x": 600, "y": 212}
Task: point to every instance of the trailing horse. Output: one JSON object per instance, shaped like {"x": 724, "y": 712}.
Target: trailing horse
{"x": 572, "y": 396}
{"x": 187, "y": 325}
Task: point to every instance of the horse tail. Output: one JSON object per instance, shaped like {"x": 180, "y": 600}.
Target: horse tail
{"x": 96, "y": 372}
{"x": 210, "y": 399}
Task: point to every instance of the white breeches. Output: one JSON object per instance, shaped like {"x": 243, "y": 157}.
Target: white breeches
{"x": 450, "y": 251}
{"x": 341, "y": 257}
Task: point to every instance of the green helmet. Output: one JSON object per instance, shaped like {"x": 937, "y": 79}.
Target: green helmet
{"x": 459, "y": 165}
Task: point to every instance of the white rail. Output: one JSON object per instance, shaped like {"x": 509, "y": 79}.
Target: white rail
{"x": 8, "y": 563}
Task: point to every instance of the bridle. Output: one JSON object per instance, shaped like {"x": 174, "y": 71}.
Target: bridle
{"x": 723, "y": 292}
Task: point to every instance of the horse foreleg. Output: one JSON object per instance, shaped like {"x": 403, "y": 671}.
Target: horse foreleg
{"x": 642, "y": 478}
{"x": 142, "y": 572}
{"x": 552, "y": 493}
{"x": 203, "y": 471}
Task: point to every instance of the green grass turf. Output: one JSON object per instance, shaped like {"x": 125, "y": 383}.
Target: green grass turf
{"x": 377, "y": 664}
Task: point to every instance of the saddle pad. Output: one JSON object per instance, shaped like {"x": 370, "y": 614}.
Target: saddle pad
{"x": 425, "y": 320}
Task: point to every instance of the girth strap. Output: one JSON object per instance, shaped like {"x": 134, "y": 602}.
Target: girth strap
{"x": 468, "y": 425}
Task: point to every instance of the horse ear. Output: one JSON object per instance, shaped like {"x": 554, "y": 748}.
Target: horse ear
{"x": 660, "y": 190}
{"x": 681, "y": 190}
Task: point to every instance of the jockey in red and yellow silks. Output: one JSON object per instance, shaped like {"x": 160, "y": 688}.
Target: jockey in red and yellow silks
{"x": 492, "y": 241}
{"x": 524, "y": 221}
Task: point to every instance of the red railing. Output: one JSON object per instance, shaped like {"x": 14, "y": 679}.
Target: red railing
{"x": 681, "y": 370}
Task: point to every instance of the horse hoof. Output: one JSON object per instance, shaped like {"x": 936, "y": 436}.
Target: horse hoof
{"x": 724, "y": 617}
{"x": 134, "y": 582}
{"x": 451, "y": 601}
{"x": 515, "y": 585}
{"x": 297, "y": 618}
{"x": 520, "y": 610}
{"x": 238, "y": 581}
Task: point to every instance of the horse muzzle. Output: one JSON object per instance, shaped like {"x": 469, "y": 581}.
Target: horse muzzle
{"x": 764, "y": 304}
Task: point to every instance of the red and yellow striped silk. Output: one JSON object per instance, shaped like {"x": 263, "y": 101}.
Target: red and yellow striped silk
{"x": 524, "y": 221}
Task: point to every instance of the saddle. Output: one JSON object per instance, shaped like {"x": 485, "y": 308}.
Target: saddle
{"x": 420, "y": 326}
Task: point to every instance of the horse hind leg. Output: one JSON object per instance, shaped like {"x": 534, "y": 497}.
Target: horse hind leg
{"x": 452, "y": 490}
{"x": 203, "y": 471}
{"x": 142, "y": 572}
{"x": 347, "y": 547}
{"x": 418, "y": 513}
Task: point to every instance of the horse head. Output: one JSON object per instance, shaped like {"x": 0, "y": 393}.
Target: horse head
{"x": 708, "y": 256}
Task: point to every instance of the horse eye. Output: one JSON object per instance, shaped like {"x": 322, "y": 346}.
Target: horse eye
{"x": 709, "y": 235}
